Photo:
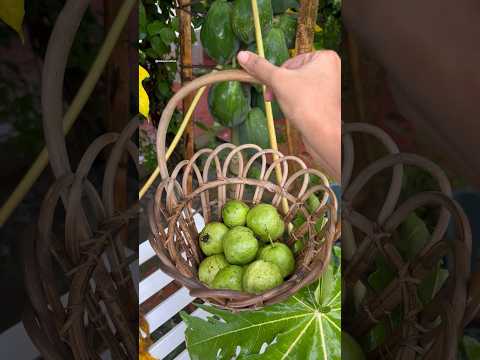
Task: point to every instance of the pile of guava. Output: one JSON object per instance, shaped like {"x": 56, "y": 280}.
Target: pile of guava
{"x": 244, "y": 251}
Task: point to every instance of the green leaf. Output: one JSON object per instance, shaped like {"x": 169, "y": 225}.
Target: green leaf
{"x": 382, "y": 276}
{"x": 307, "y": 326}
{"x": 158, "y": 46}
{"x": 414, "y": 235}
{"x": 12, "y": 13}
{"x": 155, "y": 28}
{"x": 163, "y": 89}
{"x": 167, "y": 35}
{"x": 176, "y": 24}
{"x": 331, "y": 35}
{"x": 351, "y": 350}
{"x": 432, "y": 283}
{"x": 471, "y": 347}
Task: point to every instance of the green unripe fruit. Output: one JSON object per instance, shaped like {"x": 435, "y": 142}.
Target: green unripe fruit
{"x": 261, "y": 276}
{"x": 229, "y": 102}
{"x": 242, "y": 18}
{"x": 265, "y": 222}
{"x": 240, "y": 245}
{"x": 217, "y": 36}
{"x": 280, "y": 255}
{"x": 288, "y": 24}
{"x": 229, "y": 278}
{"x": 234, "y": 213}
{"x": 261, "y": 246}
{"x": 211, "y": 238}
{"x": 210, "y": 267}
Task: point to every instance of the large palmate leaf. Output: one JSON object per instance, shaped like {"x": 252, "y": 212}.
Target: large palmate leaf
{"x": 304, "y": 327}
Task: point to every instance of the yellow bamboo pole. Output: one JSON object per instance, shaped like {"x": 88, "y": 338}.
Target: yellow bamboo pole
{"x": 175, "y": 141}
{"x": 268, "y": 105}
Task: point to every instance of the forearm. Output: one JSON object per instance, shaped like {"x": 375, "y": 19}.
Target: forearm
{"x": 322, "y": 137}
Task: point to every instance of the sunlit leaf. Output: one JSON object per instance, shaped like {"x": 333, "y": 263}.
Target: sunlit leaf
{"x": 143, "y": 103}
{"x": 12, "y": 13}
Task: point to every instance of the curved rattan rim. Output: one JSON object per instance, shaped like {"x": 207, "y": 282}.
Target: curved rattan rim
{"x": 205, "y": 80}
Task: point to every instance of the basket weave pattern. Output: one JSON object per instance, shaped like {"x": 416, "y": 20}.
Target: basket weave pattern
{"x": 99, "y": 310}
{"x": 430, "y": 329}
{"x": 175, "y": 237}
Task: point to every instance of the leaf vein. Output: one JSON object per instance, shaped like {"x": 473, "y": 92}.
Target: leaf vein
{"x": 249, "y": 327}
{"x": 290, "y": 348}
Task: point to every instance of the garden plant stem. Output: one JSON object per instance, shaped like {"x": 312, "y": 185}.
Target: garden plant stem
{"x": 268, "y": 104}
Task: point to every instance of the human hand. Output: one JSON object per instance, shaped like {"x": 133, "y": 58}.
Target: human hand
{"x": 308, "y": 90}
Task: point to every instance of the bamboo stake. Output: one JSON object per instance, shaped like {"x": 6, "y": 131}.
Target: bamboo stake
{"x": 184, "y": 13}
{"x": 175, "y": 141}
{"x": 268, "y": 105}
{"x": 75, "y": 108}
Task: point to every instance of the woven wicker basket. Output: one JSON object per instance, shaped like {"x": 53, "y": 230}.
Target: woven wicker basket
{"x": 427, "y": 329}
{"x": 96, "y": 309}
{"x": 222, "y": 174}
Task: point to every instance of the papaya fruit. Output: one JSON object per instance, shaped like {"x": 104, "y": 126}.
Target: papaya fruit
{"x": 217, "y": 37}
{"x": 258, "y": 101}
{"x": 288, "y": 24}
{"x": 275, "y": 46}
{"x": 229, "y": 102}
{"x": 242, "y": 18}
{"x": 254, "y": 129}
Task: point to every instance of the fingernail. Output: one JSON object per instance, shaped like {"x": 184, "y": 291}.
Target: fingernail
{"x": 242, "y": 56}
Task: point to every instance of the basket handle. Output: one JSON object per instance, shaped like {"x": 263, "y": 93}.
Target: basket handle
{"x": 209, "y": 79}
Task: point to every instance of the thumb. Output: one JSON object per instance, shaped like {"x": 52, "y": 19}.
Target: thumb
{"x": 256, "y": 66}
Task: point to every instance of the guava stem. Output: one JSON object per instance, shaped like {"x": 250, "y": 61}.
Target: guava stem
{"x": 270, "y": 239}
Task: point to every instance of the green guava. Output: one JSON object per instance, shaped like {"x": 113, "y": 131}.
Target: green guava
{"x": 234, "y": 213}
{"x": 266, "y": 222}
{"x": 261, "y": 246}
{"x": 210, "y": 267}
{"x": 240, "y": 245}
{"x": 229, "y": 278}
{"x": 261, "y": 276}
{"x": 211, "y": 238}
{"x": 280, "y": 255}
